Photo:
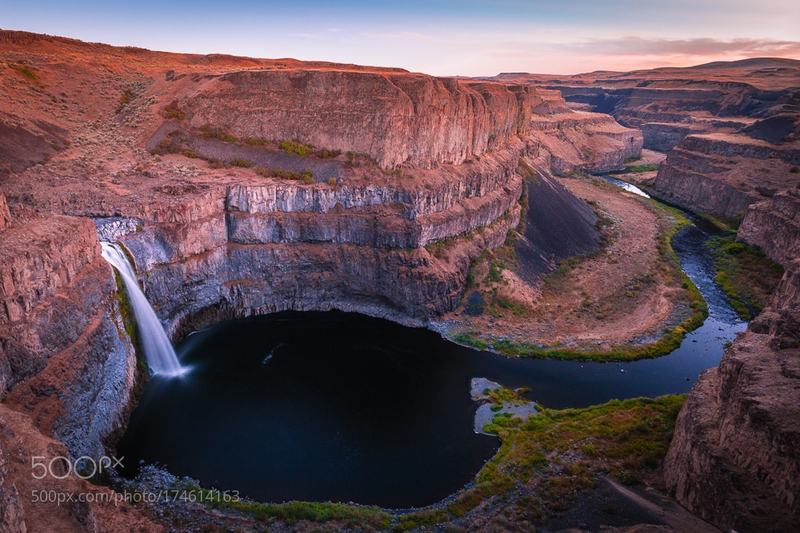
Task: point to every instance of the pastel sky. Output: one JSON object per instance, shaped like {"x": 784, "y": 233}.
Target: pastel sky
{"x": 442, "y": 37}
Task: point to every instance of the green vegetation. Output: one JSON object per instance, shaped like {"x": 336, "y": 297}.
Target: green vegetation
{"x": 503, "y": 395}
{"x": 241, "y": 163}
{"x": 255, "y": 141}
{"x": 295, "y": 147}
{"x": 746, "y": 275}
{"x": 560, "y": 452}
{"x": 292, "y": 512}
{"x": 305, "y": 176}
{"x": 725, "y": 225}
{"x": 640, "y": 169}
{"x": 215, "y": 133}
{"x": 124, "y": 99}
{"x": 327, "y": 154}
{"x": 469, "y": 338}
{"x": 173, "y": 145}
{"x": 174, "y": 112}
{"x": 25, "y": 71}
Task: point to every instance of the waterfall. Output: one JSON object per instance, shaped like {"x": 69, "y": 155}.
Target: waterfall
{"x": 158, "y": 349}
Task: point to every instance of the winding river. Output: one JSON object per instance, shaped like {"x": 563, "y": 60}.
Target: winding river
{"x": 342, "y": 407}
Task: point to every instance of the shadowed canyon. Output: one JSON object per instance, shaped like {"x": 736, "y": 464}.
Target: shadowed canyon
{"x": 397, "y": 301}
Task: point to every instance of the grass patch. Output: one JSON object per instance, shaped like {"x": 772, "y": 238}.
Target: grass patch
{"x": 560, "y": 452}
{"x": 305, "y": 176}
{"x": 746, "y": 275}
{"x": 640, "y": 169}
{"x": 293, "y": 512}
{"x": 174, "y": 112}
{"x": 25, "y": 71}
{"x": 210, "y": 132}
{"x": 295, "y": 147}
{"x": 470, "y": 338}
{"x": 241, "y": 163}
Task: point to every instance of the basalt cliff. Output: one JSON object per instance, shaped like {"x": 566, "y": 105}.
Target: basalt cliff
{"x": 239, "y": 186}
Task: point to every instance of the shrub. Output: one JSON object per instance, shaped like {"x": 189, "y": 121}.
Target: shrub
{"x": 242, "y": 163}
{"x": 326, "y": 154}
{"x": 124, "y": 99}
{"x": 174, "y": 112}
{"x": 295, "y": 147}
{"x": 332, "y": 181}
{"x": 25, "y": 71}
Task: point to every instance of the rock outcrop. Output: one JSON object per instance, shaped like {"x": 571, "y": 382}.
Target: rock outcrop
{"x": 5, "y": 214}
{"x": 394, "y": 118}
{"x": 774, "y": 226}
{"x": 667, "y": 104}
{"x": 733, "y": 459}
{"x": 723, "y": 174}
{"x": 583, "y": 141}
{"x": 73, "y": 376}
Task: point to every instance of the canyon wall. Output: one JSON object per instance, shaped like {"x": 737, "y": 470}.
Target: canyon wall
{"x": 394, "y": 118}
{"x": 65, "y": 358}
{"x": 723, "y": 174}
{"x": 582, "y": 141}
{"x": 733, "y": 459}
{"x": 667, "y": 104}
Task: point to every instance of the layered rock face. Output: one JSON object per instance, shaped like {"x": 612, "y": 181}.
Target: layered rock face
{"x": 72, "y": 375}
{"x": 588, "y": 142}
{"x": 774, "y": 226}
{"x": 5, "y": 214}
{"x": 733, "y": 459}
{"x": 394, "y": 118}
{"x": 266, "y": 247}
{"x": 667, "y": 104}
{"x": 722, "y": 174}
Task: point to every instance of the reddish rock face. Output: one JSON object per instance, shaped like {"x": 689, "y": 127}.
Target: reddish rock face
{"x": 668, "y": 104}
{"x": 394, "y": 118}
{"x": 722, "y": 174}
{"x": 774, "y": 226}
{"x": 5, "y": 214}
{"x": 733, "y": 459}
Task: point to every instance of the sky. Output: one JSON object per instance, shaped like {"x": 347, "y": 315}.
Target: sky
{"x": 440, "y": 37}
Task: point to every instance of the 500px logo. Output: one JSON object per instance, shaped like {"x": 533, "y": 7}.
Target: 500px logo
{"x": 59, "y": 467}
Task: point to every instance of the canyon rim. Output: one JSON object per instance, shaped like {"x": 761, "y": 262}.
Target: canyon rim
{"x": 639, "y": 351}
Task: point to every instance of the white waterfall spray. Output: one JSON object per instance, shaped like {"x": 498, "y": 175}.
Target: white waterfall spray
{"x": 158, "y": 349}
